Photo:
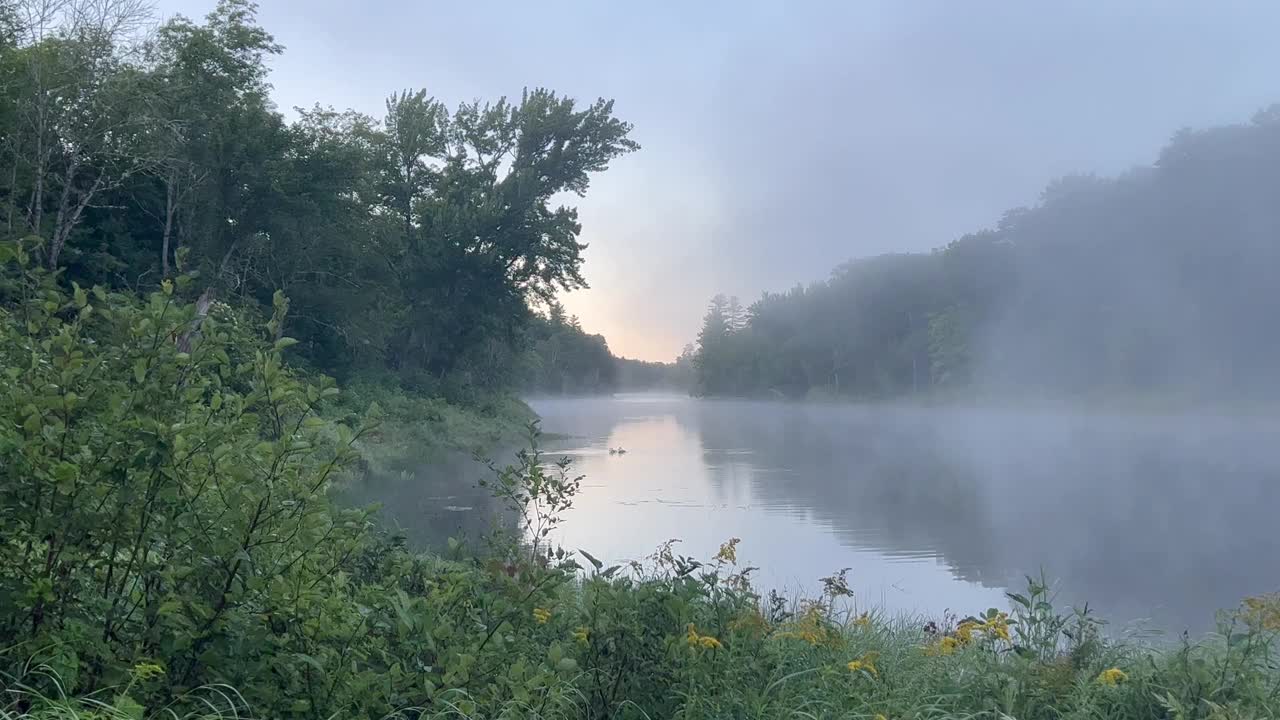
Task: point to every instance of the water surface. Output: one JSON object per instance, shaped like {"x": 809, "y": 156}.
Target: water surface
{"x": 1158, "y": 520}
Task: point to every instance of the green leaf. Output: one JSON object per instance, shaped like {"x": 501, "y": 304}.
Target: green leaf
{"x": 65, "y": 472}
{"x": 591, "y": 558}
{"x": 140, "y": 370}
{"x": 126, "y": 706}
{"x": 310, "y": 661}
{"x": 284, "y": 342}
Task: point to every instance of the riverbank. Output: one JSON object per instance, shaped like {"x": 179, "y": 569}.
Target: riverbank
{"x": 411, "y": 430}
{"x": 679, "y": 638}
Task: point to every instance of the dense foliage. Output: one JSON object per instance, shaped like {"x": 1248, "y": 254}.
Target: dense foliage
{"x": 173, "y": 551}
{"x": 1156, "y": 283}
{"x": 566, "y": 360}
{"x": 414, "y": 243}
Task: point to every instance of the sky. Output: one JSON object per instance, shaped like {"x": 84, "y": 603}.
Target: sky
{"x": 780, "y": 139}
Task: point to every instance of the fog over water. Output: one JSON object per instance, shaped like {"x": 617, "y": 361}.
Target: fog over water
{"x": 1162, "y": 520}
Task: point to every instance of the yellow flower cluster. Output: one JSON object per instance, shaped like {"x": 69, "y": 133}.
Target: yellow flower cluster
{"x": 865, "y": 664}
{"x": 809, "y": 627}
{"x": 581, "y": 635}
{"x": 146, "y": 671}
{"x": 863, "y": 621}
{"x": 1263, "y": 612}
{"x": 944, "y": 646}
{"x": 541, "y": 615}
{"x": 1112, "y": 676}
{"x": 729, "y": 552}
{"x": 694, "y": 640}
{"x": 998, "y": 626}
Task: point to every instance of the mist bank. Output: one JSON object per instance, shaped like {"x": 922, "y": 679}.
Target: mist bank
{"x": 1152, "y": 289}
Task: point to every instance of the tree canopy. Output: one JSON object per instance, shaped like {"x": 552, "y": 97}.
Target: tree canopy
{"x": 416, "y": 243}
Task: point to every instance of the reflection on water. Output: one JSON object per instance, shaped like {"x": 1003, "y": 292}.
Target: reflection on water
{"x": 1157, "y": 519}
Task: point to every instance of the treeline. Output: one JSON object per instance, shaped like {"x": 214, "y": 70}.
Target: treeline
{"x": 565, "y": 360}
{"x": 412, "y": 246}
{"x": 1157, "y": 283}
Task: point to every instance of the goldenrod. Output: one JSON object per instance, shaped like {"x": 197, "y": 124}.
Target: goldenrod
{"x": 1112, "y": 676}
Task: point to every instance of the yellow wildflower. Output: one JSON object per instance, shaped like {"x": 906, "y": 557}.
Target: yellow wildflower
{"x": 729, "y": 551}
{"x": 541, "y": 615}
{"x": 863, "y": 621}
{"x": 1112, "y": 676}
{"x": 1263, "y": 611}
{"x": 695, "y": 640}
{"x": 581, "y": 635}
{"x": 880, "y": 716}
{"x": 945, "y": 646}
{"x": 998, "y": 626}
{"x": 964, "y": 633}
{"x": 866, "y": 663}
{"x": 810, "y": 627}
{"x": 146, "y": 671}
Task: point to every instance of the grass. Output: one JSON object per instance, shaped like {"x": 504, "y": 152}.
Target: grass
{"x": 414, "y": 430}
{"x": 614, "y": 654}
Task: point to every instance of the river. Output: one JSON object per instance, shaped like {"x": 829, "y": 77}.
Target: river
{"x": 1155, "y": 521}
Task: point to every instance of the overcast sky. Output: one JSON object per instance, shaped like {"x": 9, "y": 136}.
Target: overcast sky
{"x": 783, "y": 138}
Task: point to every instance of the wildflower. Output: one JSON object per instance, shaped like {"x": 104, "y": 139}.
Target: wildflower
{"x": 729, "y": 551}
{"x": 944, "y": 646}
{"x": 964, "y": 633}
{"x": 880, "y": 716}
{"x": 1263, "y": 612}
{"x": 866, "y": 664}
{"x": 810, "y": 628}
{"x": 581, "y": 635}
{"x": 863, "y": 621}
{"x": 694, "y": 640}
{"x": 1112, "y": 676}
{"x": 998, "y": 626}
{"x": 146, "y": 671}
{"x": 541, "y": 615}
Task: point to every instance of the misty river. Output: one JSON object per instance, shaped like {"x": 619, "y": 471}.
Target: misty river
{"x": 1155, "y": 521}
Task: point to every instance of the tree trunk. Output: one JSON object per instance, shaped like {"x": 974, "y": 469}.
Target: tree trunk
{"x": 58, "y": 239}
{"x": 68, "y": 218}
{"x": 35, "y": 214}
{"x": 169, "y": 207}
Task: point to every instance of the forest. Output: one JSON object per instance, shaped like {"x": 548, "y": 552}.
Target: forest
{"x": 1152, "y": 286}
{"x": 414, "y": 247}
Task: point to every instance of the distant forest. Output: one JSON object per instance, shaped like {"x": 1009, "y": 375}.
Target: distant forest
{"x": 1159, "y": 283}
{"x": 565, "y": 360}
